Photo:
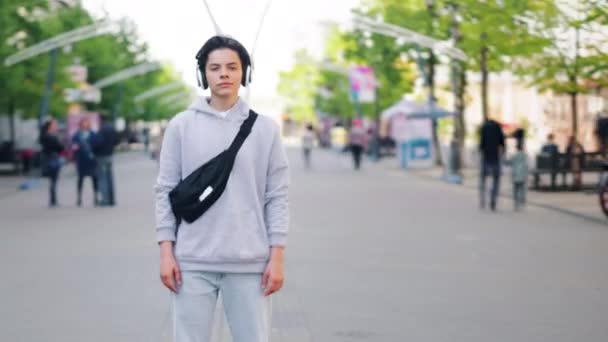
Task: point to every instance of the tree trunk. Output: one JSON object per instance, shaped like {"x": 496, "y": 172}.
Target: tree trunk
{"x": 431, "y": 81}
{"x": 484, "y": 76}
{"x": 574, "y": 107}
{"x": 575, "y": 159}
{"x": 460, "y": 127}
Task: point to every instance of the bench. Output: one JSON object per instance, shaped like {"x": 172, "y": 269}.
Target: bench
{"x": 560, "y": 163}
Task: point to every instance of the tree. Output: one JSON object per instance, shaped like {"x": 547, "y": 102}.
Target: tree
{"x": 576, "y": 59}
{"x": 298, "y": 86}
{"x": 333, "y": 95}
{"x": 23, "y": 84}
{"x": 496, "y": 32}
{"x": 394, "y": 74}
{"x": 422, "y": 17}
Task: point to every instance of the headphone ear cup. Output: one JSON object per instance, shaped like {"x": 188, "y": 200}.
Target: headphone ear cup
{"x": 246, "y": 77}
{"x": 198, "y": 77}
{"x": 205, "y": 85}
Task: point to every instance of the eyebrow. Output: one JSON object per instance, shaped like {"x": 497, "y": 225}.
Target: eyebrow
{"x": 218, "y": 64}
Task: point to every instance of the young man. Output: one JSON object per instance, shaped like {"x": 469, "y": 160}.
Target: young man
{"x": 236, "y": 246}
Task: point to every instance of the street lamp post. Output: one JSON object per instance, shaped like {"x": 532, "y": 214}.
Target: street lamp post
{"x": 52, "y": 45}
{"x": 48, "y": 87}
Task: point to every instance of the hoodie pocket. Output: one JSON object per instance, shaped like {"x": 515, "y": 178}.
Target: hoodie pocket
{"x": 247, "y": 240}
{"x": 229, "y": 236}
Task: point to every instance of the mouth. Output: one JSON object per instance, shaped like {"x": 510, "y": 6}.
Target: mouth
{"x": 224, "y": 85}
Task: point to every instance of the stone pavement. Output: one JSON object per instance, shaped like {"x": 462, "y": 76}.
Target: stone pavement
{"x": 583, "y": 204}
{"x": 375, "y": 255}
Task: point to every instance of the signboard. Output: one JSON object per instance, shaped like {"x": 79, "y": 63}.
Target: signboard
{"x": 363, "y": 84}
{"x": 77, "y": 73}
{"x": 87, "y": 94}
{"x": 414, "y": 139}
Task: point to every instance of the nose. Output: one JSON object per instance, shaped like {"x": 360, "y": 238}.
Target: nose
{"x": 224, "y": 73}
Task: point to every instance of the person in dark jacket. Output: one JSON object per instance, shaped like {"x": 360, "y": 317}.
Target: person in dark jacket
{"x": 551, "y": 150}
{"x": 491, "y": 146}
{"x": 82, "y": 145}
{"x": 357, "y": 140}
{"x": 550, "y": 147}
{"x": 51, "y": 160}
{"x": 103, "y": 147}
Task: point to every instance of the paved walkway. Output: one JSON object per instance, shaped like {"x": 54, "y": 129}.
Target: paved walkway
{"x": 375, "y": 255}
{"x": 583, "y": 204}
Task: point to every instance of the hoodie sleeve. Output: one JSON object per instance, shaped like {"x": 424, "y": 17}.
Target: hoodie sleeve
{"x": 276, "y": 208}
{"x": 169, "y": 175}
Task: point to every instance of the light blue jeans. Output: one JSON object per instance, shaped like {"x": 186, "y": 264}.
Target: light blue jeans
{"x": 243, "y": 300}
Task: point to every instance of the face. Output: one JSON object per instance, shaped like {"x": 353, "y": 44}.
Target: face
{"x": 224, "y": 72}
{"x": 85, "y": 125}
{"x": 53, "y": 128}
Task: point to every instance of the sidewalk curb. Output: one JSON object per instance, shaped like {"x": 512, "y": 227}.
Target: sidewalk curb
{"x": 532, "y": 203}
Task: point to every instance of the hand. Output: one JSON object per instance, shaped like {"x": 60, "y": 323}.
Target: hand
{"x": 170, "y": 273}
{"x": 273, "y": 277}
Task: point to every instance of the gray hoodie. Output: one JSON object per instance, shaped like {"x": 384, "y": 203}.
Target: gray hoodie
{"x": 236, "y": 233}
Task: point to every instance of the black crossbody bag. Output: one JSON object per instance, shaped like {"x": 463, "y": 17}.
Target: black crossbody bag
{"x": 204, "y": 186}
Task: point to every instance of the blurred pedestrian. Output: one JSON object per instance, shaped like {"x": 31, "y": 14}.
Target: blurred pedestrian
{"x": 491, "y": 146}
{"x": 519, "y": 135}
{"x": 601, "y": 132}
{"x": 103, "y": 147}
{"x": 308, "y": 144}
{"x": 357, "y": 139}
{"x": 519, "y": 176}
{"x": 82, "y": 145}
{"x": 551, "y": 150}
{"x": 146, "y": 137}
{"x": 51, "y": 159}
{"x": 236, "y": 247}
{"x": 550, "y": 147}
{"x": 575, "y": 158}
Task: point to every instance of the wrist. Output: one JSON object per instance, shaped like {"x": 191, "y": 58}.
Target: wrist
{"x": 166, "y": 248}
{"x": 276, "y": 254}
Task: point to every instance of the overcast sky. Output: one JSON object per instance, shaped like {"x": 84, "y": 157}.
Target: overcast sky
{"x": 176, "y": 29}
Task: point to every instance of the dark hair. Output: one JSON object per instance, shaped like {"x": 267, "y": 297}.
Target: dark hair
{"x": 103, "y": 118}
{"x": 44, "y": 129}
{"x": 45, "y": 126}
{"x": 223, "y": 42}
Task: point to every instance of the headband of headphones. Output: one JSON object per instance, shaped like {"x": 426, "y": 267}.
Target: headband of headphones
{"x": 222, "y": 42}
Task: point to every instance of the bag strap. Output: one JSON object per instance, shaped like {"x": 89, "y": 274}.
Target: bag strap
{"x": 243, "y": 133}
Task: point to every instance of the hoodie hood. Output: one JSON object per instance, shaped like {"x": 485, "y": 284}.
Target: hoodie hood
{"x": 238, "y": 113}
